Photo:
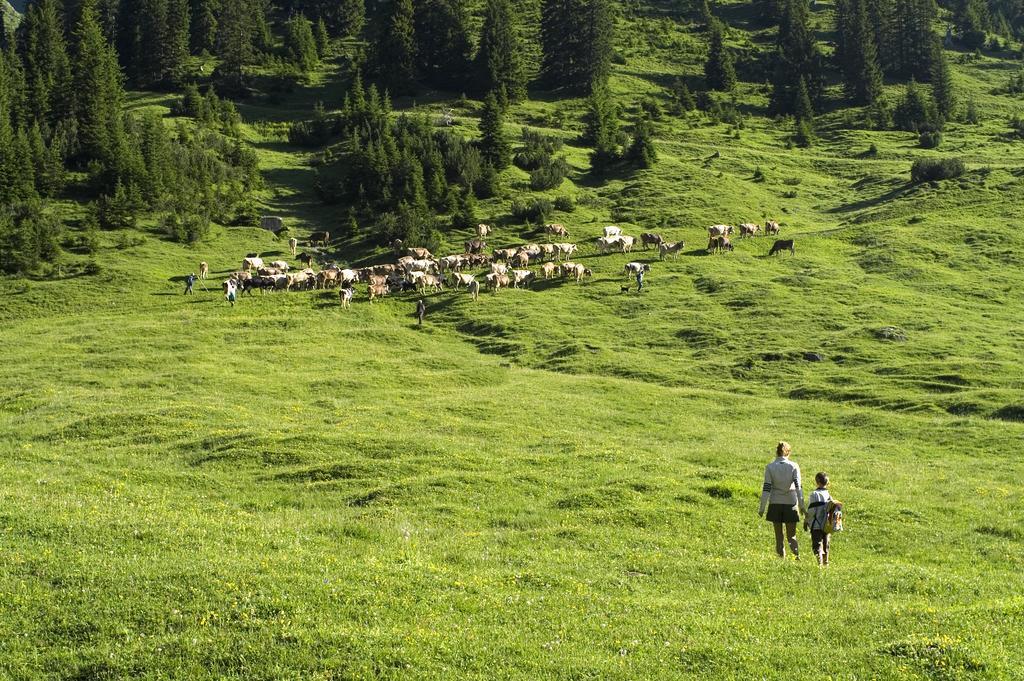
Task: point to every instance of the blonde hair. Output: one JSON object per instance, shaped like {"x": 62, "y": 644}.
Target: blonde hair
{"x": 783, "y": 449}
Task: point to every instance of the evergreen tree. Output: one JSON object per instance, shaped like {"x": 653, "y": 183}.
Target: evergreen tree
{"x": 942, "y": 83}
{"x": 500, "y": 58}
{"x": 323, "y": 38}
{"x": 797, "y": 57}
{"x": 175, "y": 41}
{"x": 47, "y": 67}
{"x": 641, "y": 150}
{"x": 396, "y": 48}
{"x": 602, "y": 126}
{"x": 98, "y": 95}
{"x": 300, "y": 43}
{"x": 495, "y": 146}
{"x": 802, "y": 109}
{"x": 971, "y": 18}
{"x": 351, "y": 16}
{"x": 443, "y": 44}
{"x": 972, "y": 116}
{"x": 235, "y": 30}
{"x": 718, "y": 69}
{"x": 909, "y": 38}
{"x": 915, "y": 112}
{"x": 856, "y": 51}
{"x": 465, "y": 215}
{"x": 577, "y": 42}
{"x": 204, "y": 28}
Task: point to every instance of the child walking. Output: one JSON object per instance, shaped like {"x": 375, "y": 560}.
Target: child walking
{"x": 817, "y": 510}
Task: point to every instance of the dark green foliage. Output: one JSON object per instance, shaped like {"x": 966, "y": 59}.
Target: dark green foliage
{"x": 536, "y": 151}
{"x": 802, "y": 109}
{"x": 682, "y": 98}
{"x": 942, "y": 83}
{"x": 915, "y": 112}
{"x": 719, "y": 71}
{"x": 796, "y": 58}
{"x": 185, "y": 226}
{"x": 315, "y": 132}
{"x": 209, "y": 109}
{"x": 414, "y": 226}
{"x": 465, "y": 216}
{"x": 856, "y": 51}
{"x": 565, "y": 204}
{"x": 300, "y": 44}
{"x": 349, "y": 17}
{"x": 907, "y": 49}
{"x": 550, "y": 175}
{"x": 29, "y": 237}
{"x": 641, "y": 152}
{"x": 602, "y": 126}
{"x": 47, "y": 66}
{"x": 118, "y": 210}
{"x": 971, "y": 19}
{"x": 1014, "y": 86}
{"x": 204, "y": 28}
{"x": 500, "y": 57}
{"x": 236, "y": 28}
{"x": 971, "y": 116}
{"x": 322, "y": 36}
{"x": 443, "y": 45}
{"x": 396, "y": 49}
{"x": 174, "y": 45}
{"x": 929, "y": 169}
{"x": 494, "y": 143}
{"x": 577, "y": 42}
{"x": 536, "y": 210}
{"x": 929, "y": 139}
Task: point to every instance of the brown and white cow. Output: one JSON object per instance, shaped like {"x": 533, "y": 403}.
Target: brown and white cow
{"x": 556, "y": 229}
{"x": 651, "y": 239}
{"x": 670, "y": 247}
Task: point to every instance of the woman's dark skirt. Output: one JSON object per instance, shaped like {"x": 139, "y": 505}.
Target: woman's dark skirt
{"x": 781, "y": 513}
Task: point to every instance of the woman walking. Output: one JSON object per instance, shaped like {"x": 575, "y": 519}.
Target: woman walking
{"x": 784, "y": 497}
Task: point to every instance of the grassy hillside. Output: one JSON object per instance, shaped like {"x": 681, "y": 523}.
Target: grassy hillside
{"x": 554, "y": 483}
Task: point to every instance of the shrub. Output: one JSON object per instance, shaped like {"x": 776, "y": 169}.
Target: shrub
{"x": 549, "y": 176}
{"x": 804, "y": 136}
{"x": 928, "y": 169}
{"x": 929, "y": 139}
{"x": 758, "y": 175}
{"x": 532, "y": 210}
{"x": 565, "y": 204}
{"x": 187, "y": 228}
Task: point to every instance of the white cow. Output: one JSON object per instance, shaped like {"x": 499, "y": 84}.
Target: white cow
{"x": 612, "y": 230}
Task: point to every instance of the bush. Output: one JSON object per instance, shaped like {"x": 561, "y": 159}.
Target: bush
{"x": 928, "y": 169}
{"x": 929, "y": 139}
{"x": 565, "y": 204}
{"x": 187, "y": 228}
{"x": 549, "y": 176}
{"x": 532, "y": 210}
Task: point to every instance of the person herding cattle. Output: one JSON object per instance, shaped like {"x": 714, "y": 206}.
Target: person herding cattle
{"x": 190, "y": 280}
{"x": 230, "y": 291}
{"x": 639, "y": 280}
{"x": 421, "y": 311}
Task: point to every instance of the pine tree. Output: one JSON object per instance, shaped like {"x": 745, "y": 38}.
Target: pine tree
{"x": 972, "y": 116}
{"x": 300, "y": 43}
{"x": 465, "y": 214}
{"x": 942, "y": 83}
{"x": 971, "y": 18}
{"x": 802, "y": 109}
{"x": 577, "y": 42}
{"x": 602, "y": 123}
{"x": 495, "y": 146}
{"x": 47, "y": 67}
{"x": 323, "y": 38}
{"x": 500, "y": 57}
{"x": 204, "y": 28}
{"x": 351, "y": 17}
{"x": 175, "y": 48}
{"x": 98, "y": 94}
{"x": 235, "y": 30}
{"x": 396, "y": 49}
{"x": 682, "y": 97}
{"x": 718, "y": 69}
{"x": 856, "y": 52}
{"x": 915, "y": 112}
{"x": 797, "y": 57}
{"x": 641, "y": 151}
{"x": 443, "y": 44}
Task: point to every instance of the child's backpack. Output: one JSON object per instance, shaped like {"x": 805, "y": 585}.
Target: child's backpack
{"x": 833, "y": 517}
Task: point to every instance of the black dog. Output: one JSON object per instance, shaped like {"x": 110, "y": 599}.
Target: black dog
{"x": 625, "y": 289}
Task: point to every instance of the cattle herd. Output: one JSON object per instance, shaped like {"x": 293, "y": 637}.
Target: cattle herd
{"x": 417, "y": 269}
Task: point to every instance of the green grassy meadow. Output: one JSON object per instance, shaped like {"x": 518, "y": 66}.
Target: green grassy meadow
{"x": 557, "y": 483}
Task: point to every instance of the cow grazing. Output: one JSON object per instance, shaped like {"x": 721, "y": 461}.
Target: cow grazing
{"x": 419, "y": 253}
{"x": 548, "y": 269}
{"x": 281, "y": 265}
{"x": 524, "y": 277}
{"x": 378, "y": 291}
{"x": 474, "y": 289}
{"x": 669, "y": 247}
{"x": 475, "y": 246}
{"x": 651, "y": 239}
{"x": 520, "y": 259}
{"x": 430, "y": 281}
{"x": 548, "y": 250}
{"x": 204, "y": 269}
{"x": 251, "y": 263}
{"x": 565, "y": 250}
{"x": 633, "y": 268}
{"x": 319, "y": 238}
{"x": 556, "y": 230}
{"x": 772, "y": 227}
{"x": 612, "y": 230}
{"x": 496, "y": 281}
{"x": 458, "y": 280}
{"x": 293, "y": 245}
{"x": 749, "y": 229}
{"x": 782, "y": 245}
{"x": 483, "y": 230}
{"x": 606, "y": 244}
{"x": 719, "y": 244}
{"x": 505, "y": 254}
{"x": 345, "y": 295}
{"x": 626, "y": 243}
{"x": 306, "y": 259}
{"x": 499, "y": 268}
{"x": 577, "y": 271}
{"x": 715, "y": 231}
